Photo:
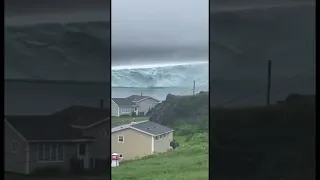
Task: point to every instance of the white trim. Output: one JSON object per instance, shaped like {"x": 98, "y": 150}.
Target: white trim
{"x": 122, "y": 138}
{"x": 20, "y": 135}
{"x": 125, "y": 126}
{"x": 70, "y": 140}
{"x": 152, "y": 144}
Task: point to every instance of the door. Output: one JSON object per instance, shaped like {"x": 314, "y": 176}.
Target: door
{"x": 83, "y": 155}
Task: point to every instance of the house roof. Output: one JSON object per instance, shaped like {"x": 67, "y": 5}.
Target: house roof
{"x": 82, "y": 116}
{"x": 123, "y": 102}
{"x": 58, "y": 126}
{"x": 147, "y": 127}
{"x": 43, "y": 128}
{"x": 136, "y": 98}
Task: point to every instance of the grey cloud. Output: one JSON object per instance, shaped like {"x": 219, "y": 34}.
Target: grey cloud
{"x": 157, "y": 30}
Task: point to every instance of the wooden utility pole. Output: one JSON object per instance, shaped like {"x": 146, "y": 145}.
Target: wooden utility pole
{"x": 269, "y": 82}
{"x": 194, "y": 87}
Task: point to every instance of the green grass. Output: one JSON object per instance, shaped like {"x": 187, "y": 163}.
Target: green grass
{"x": 117, "y": 121}
{"x": 189, "y": 161}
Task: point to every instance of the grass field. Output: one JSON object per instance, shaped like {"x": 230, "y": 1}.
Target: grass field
{"x": 117, "y": 121}
{"x": 189, "y": 161}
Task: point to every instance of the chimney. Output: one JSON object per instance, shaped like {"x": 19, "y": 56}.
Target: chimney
{"x": 101, "y": 103}
{"x": 141, "y": 94}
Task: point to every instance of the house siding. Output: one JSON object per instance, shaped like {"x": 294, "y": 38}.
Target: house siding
{"x": 70, "y": 150}
{"x": 163, "y": 145}
{"x": 123, "y": 112}
{"x": 114, "y": 109}
{"x": 15, "y": 161}
{"x": 136, "y": 144}
{"x": 146, "y": 104}
{"x": 101, "y": 147}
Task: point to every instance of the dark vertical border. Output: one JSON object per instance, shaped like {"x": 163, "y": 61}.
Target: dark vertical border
{"x": 110, "y": 84}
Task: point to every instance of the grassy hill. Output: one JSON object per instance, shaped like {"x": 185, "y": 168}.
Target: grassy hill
{"x": 275, "y": 142}
{"x": 188, "y": 116}
{"x": 189, "y": 161}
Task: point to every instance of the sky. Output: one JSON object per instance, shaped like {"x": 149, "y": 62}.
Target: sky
{"x": 159, "y": 31}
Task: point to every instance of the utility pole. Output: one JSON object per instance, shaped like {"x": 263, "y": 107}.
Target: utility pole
{"x": 269, "y": 82}
{"x": 194, "y": 87}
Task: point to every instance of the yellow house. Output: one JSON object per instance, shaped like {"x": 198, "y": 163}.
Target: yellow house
{"x": 139, "y": 139}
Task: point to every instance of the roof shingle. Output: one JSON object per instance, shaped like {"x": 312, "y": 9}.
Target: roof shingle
{"x": 152, "y": 128}
{"x": 123, "y": 102}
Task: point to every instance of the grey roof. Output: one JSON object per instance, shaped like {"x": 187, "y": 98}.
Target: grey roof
{"x": 123, "y": 102}
{"x": 58, "y": 125}
{"x": 43, "y": 128}
{"x": 136, "y": 97}
{"x": 152, "y": 128}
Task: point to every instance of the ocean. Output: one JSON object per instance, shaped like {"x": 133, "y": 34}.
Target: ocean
{"x": 157, "y": 93}
{"x": 160, "y": 80}
{"x": 51, "y": 66}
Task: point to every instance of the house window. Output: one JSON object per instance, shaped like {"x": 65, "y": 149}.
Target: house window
{"x": 135, "y": 108}
{"x": 163, "y": 136}
{"x": 156, "y": 137}
{"x": 15, "y": 146}
{"x": 120, "y": 139}
{"x": 50, "y": 152}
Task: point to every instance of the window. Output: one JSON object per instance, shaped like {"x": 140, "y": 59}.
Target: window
{"x": 156, "y": 138}
{"x": 164, "y": 135}
{"x": 120, "y": 139}
{"x": 50, "y": 152}
{"x": 135, "y": 108}
{"x": 15, "y": 146}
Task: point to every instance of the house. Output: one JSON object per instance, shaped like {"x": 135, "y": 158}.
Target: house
{"x": 138, "y": 104}
{"x": 144, "y": 103}
{"x": 139, "y": 139}
{"x": 123, "y": 106}
{"x": 77, "y": 132}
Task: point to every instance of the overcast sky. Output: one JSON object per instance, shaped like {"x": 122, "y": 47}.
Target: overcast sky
{"x": 159, "y": 31}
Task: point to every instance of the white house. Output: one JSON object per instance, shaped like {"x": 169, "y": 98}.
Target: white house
{"x": 134, "y": 103}
{"x": 123, "y": 106}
